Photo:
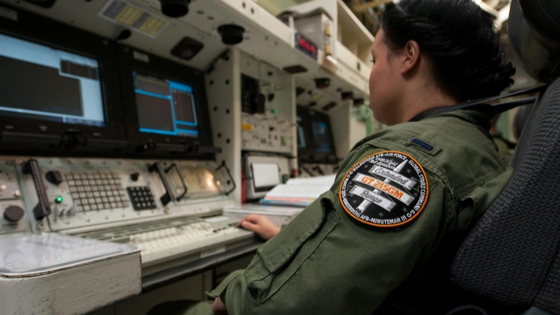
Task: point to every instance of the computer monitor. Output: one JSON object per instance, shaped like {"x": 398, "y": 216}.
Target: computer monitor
{"x": 57, "y": 91}
{"x": 322, "y": 137}
{"x": 165, "y": 102}
{"x": 50, "y": 84}
{"x": 315, "y": 138}
{"x": 165, "y": 107}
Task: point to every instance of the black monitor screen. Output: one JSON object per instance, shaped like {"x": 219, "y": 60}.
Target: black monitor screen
{"x": 322, "y": 137}
{"x": 315, "y": 138}
{"x": 165, "y": 107}
{"x": 43, "y": 83}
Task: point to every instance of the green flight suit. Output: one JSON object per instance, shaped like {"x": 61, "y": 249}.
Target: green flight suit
{"x": 327, "y": 262}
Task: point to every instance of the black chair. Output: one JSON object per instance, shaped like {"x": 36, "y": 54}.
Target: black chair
{"x": 512, "y": 254}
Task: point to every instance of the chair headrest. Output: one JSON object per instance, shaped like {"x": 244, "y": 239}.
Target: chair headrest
{"x": 534, "y": 26}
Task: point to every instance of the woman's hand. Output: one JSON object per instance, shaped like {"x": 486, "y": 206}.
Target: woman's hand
{"x": 261, "y": 225}
{"x": 218, "y": 307}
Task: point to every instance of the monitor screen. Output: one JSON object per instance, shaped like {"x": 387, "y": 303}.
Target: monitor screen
{"x": 43, "y": 83}
{"x": 265, "y": 175}
{"x": 315, "y": 136}
{"x": 322, "y": 137}
{"x": 164, "y": 106}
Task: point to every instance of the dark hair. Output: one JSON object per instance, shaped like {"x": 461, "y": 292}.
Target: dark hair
{"x": 459, "y": 37}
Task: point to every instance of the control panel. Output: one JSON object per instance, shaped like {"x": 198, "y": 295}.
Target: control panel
{"x": 63, "y": 194}
{"x": 13, "y": 217}
{"x": 267, "y": 133}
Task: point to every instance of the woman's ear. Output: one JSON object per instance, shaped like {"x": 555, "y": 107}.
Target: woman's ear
{"x": 410, "y": 56}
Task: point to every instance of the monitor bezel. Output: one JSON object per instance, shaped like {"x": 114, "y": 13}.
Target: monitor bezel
{"x": 134, "y": 60}
{"x": 39, "y": 30}
{"x": 305, "y": 154}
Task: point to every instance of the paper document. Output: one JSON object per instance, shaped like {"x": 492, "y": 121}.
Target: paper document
{"x": 299, "y": 191}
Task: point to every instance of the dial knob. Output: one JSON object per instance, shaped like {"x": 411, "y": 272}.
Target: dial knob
{"x": 134, "y": 176}
{"x": 54, "y": 177}
{"x": 13, "y": 214}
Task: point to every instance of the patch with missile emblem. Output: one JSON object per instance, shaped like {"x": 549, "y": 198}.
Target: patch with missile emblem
{"x": 386, "y": 189}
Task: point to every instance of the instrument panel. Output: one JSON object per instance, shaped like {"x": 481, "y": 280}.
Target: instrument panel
{"x": 64, "y": 194}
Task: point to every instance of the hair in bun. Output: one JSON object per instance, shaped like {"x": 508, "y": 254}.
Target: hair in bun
{"x": 459, "y": 37}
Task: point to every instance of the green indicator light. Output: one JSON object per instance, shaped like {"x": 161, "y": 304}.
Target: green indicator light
{"x": 275, "y": 112}
{"x": 58, "y": 199}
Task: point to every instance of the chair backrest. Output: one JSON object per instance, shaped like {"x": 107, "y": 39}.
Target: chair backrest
{"x": 512, "y": 254}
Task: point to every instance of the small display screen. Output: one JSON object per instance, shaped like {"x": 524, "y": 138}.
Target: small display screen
{"x": 265, "y": 175}
{"x": 321, "y": 137}
{"x": 165, "y": 107}
{"x": 40, "y": 82}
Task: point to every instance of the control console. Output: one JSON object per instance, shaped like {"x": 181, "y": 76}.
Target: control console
{"x": 73, "y": 194}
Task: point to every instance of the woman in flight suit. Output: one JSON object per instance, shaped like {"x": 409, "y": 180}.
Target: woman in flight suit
{"x": 380, "y": 238}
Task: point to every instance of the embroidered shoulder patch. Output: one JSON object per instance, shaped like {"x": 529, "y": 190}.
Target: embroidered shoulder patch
{"x": 385, "y": 189}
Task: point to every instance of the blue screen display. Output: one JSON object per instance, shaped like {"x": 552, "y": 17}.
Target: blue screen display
{"x": 165, "y": 107}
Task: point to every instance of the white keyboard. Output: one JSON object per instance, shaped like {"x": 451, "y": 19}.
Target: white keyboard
{"x": 170, "y": 239}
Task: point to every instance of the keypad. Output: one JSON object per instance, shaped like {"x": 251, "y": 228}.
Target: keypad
{"x": 141, "y": 197}
{"x": 97, "y": 191}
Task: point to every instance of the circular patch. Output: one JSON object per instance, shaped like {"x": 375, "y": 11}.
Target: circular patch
{"x": 385, "y": 189}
